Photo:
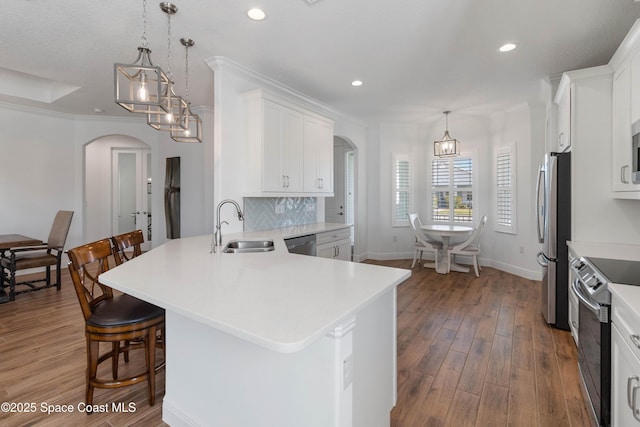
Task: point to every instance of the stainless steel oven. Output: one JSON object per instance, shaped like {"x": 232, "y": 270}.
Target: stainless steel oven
{"x": 594, "y": 337}
{"x": 592, "y": 277}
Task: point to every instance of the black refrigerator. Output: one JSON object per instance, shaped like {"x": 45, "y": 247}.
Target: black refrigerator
{"x": 553, "y": 206}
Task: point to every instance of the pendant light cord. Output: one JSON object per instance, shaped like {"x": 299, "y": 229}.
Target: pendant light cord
{"x": 143, "y": 41}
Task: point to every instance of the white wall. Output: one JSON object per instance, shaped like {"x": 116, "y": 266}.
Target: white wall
{"x": 43, "y": 165}
{"x": 36, "y": 171}
{"x": 523, "y": 125}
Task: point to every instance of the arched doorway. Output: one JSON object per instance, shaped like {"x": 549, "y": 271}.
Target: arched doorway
{"x": 117, "y": 187}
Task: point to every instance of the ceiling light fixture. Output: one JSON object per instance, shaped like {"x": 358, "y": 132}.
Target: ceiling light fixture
{"x": 193, "y": 129}
{"x": 256, "y": 14}
{"x": 507, "y": 47}
{"x": 175, "y": 118}
{"x": 446, "y": 146}
{"x": 139, "y": 86}
{"x": 357, "y": 83}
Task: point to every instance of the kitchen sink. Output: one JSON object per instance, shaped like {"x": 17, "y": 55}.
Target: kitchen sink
{"x": 246, "y": 246}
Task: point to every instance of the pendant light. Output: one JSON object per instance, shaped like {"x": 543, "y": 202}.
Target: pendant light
{"x": 447, "y": 146}
{"x": 175, "y": 117}
{"x": 139, "y": 86}
{"x": 193, "y": 130}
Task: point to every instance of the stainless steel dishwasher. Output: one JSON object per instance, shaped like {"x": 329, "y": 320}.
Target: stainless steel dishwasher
{"x": 303, "y": 245}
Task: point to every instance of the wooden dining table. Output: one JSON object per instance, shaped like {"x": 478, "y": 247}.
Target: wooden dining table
{"x": 445, "y": 232}
{"x": 10, "y": 241}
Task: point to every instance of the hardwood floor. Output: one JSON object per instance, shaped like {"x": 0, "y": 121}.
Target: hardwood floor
{"x": 477, "y": 352}
{"x": 471, "y": 352}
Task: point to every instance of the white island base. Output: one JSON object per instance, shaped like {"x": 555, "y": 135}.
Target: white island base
{"x": 346, "y": 378}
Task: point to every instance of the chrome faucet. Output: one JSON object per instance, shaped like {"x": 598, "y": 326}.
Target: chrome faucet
{"x": 217, "y": 235}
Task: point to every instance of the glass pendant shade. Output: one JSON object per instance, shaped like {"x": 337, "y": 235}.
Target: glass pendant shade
{"x": 139, "y": 86}
{"x": 193, "y": 132}
{"x": 175, "y": 119}
{"x": 446, "y": 146}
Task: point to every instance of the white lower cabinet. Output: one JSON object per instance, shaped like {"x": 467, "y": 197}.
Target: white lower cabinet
{"x": 334, "y": 244}
{"x": 625, "y": 366}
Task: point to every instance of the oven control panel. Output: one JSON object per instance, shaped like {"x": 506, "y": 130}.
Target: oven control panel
{"x": 591, "y": 281}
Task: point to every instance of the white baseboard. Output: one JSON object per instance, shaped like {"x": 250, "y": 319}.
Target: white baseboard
{"x": 498, "y": 265}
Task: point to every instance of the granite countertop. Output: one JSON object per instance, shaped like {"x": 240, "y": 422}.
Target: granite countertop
{"x": 281, "y": 301}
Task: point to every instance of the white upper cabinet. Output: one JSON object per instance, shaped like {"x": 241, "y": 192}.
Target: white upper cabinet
{"x": 625, "y": 179}
{"x": 289, "y": 149}
{"x": 621, "y": 132}
{"x": 318, "y": 155}
{"x": 563, "y": 100}
{"x": 282, "y": 148}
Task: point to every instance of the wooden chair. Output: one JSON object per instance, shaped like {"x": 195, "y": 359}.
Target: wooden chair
{"x": 121, "y": 243}
{"x": 112, "y": 319}
{"x": 45, "y": 255}
{"x": 127, "y": 246}
{"x": 423, "y": 243}
{"x": 470, "y": 247}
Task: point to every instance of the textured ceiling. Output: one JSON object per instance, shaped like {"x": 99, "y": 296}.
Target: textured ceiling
{"x": 417, "y": 58}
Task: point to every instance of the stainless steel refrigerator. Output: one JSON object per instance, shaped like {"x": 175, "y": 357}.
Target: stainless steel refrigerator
{"x": 553, "y": 206}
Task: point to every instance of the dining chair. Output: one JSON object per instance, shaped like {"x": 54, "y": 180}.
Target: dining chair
{"x": 422, "y": 242}
{"x": 470, "y": 247}
{"x": 112, "y": 319}
{"x": 45, "y": 255}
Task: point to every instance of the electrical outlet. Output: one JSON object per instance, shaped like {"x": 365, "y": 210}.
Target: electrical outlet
{"x": 279, "y": 209}
{"x": 521, "y": 249}
{"x": 395, "y": 238}
{"x": 347, "y": 371}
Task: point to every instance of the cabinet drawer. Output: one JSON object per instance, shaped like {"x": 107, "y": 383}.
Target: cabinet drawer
{"x": 332, "y": 236}
{"x": 627, "y": 323}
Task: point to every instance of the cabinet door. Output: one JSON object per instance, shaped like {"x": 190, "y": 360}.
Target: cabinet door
{"x": 343, "y": 249}
{"x": 292, "y": 150}
{"x": 621, "y": 132}
{"x": 272, "y": 133}
{"x": 635, "y": 88}
{"x": 564, "y": 121}
{"x": 625, "y": 376}
{"x": 326, "y": 250}
{"x": 318, "y": 155}
{"x": 281, "y": 149}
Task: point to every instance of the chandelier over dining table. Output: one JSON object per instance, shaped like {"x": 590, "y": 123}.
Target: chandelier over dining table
{"x": 144, "y": 88}
{"x": 446, "y": 146}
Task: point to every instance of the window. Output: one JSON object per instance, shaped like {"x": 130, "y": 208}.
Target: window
{"x": 452, "y": 190}
{"x": 402, "y": 202}
{"x": 505, "y": 190}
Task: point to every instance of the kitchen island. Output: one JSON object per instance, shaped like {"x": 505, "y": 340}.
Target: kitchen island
{"x": 262, "y": 339}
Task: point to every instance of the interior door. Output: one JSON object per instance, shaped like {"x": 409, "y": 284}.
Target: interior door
{"x": 131, "y": 190}
{"x": 335, "y": 206}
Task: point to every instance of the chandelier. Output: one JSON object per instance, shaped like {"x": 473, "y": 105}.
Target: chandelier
{"x": 139, "y": 86}
{"x": 193, "y": 130}
{"x": 175, "y": 117}
{"x": 446, "y": 146}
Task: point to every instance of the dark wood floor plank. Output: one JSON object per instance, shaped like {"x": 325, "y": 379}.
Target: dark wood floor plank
{"x": 493, "y": 407}
{"x": 475, "y": 368}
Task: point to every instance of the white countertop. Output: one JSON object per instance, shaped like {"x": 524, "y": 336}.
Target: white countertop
{"x": 281, "y": 301}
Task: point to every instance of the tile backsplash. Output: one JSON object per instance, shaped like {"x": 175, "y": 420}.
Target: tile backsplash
{"x": 264, "y": 213}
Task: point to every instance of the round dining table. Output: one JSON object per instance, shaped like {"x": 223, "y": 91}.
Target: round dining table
{"x": 444, "y": 232}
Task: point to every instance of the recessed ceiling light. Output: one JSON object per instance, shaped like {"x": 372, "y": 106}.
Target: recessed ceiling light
{"x": 357, "y": 83}
{"x": 507, "y": 47}
{"x": 256, "y": 14}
